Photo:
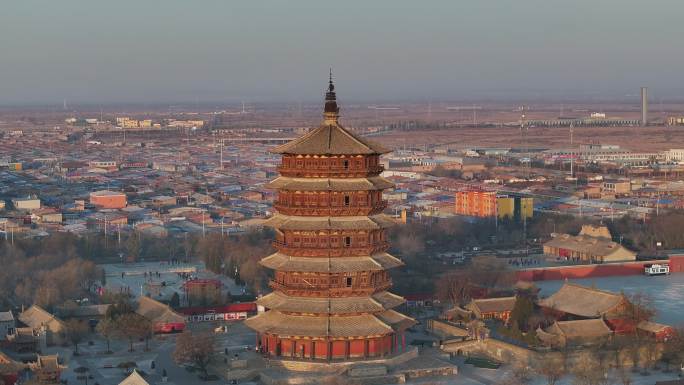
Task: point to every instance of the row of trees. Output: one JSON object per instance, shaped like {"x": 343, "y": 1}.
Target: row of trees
{"x": 123, "y": 323}
{"x": 62, "y": 266}
{"x": 644, "y": 235}
{"x": 237, "y": 256}
{"x": 44, "y": 273}
{"x": 612, "y": 363}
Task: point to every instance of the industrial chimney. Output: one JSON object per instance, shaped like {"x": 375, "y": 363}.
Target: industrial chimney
{"x": 644, "y": 106}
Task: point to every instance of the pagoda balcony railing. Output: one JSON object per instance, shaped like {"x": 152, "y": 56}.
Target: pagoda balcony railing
{"x": 322, "y": 291}
{"x": 328, "y": 251}
{"x": 322, "y": 211}
{"x": 330, "y": 173}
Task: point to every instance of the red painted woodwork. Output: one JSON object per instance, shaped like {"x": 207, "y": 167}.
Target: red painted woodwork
{"x": 320, "y": 166}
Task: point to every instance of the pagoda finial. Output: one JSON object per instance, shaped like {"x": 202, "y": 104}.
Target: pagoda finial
{"x": 331, "y": 111}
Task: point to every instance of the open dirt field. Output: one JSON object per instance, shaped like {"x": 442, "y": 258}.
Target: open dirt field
{"x": 635, "y": 138}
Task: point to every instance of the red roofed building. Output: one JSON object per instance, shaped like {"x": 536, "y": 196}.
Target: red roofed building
{"x": 108, "y": 199}
{"x": 203, "y": 291}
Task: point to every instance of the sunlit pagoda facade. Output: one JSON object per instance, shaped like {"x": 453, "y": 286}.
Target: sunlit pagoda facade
{"x": 330, "y": 298}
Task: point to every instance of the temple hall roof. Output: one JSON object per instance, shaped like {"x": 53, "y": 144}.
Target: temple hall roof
{"x": 157, "y": 312}
{"x": 134, "y": 379}
{"x": 492, "y": 305}
{"x": 580, "y": 328}
{"x": 594, "y": 246}
{"x": 582, "y": 301}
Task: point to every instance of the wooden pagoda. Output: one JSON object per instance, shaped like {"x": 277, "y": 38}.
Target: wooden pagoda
{"x": 330, "y": 298}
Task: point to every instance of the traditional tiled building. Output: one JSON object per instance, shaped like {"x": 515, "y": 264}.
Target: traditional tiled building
{"x": 330, "y": 299}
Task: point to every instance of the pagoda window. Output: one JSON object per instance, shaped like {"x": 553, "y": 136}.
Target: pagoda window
{"x": 347, "y": 241}
{"x": 300, "y": 163}
{"x": 349, "y": 281}
{"x": 346, "y": 164}
{"x": 346, "y": 200}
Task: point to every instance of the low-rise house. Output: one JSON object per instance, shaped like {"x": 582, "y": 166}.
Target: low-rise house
{"x": 589, "y": 246}
{"x": 26, "y": 340}
{"x": 107, "y": 199}
{"x": 7, "y": 324}
{"x": 163, "y": 200}
{"x": 657, "y": 331}
{"x": 91, "y": 314}
{"x": 164, "y": 319}
{"x": 46, "y": 215}
{"x": 47, "y": 369}
{"x": 575, "y": 333}
{"x": 29, "y": 203}
{"x": 41, "y": 321}
{"x": 202, "y": 199}
{"x": 492, "y": 308}
{"x": 9, "y": 369}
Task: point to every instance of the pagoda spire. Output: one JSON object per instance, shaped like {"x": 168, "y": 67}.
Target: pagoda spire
{"x": 331, "y": 112}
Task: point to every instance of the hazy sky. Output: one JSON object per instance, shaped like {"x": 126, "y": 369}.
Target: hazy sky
{"x": 101, "y": 51}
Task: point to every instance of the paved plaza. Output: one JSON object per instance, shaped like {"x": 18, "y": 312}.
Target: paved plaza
{"x": 133, "y": 278}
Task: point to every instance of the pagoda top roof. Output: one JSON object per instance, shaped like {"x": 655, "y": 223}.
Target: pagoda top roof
{"x": 330, "y": 139}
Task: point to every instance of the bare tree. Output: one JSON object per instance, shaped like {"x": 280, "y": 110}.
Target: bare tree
{"x": 520, "y": 375}
{"x": 588, "y": 371}
{"x": 551, "y": 367}
{"x": 196, "y": 349}
{"x": 624, "y": 376}
{"x": 108, "y": 329}
{"x": 76, "y": 332}
{"x": 132, "y": 327}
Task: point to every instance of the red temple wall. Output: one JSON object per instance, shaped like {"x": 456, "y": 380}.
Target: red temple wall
{"x": 286, "y": 348}
{"x": 590, "y": 271}
{"x": 340, "y": 348}
{"x": 357, "y": 348}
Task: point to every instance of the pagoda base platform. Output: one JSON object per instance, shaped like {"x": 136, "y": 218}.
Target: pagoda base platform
{"x": 401, "y": 369}
{"x": 308, "y": 365}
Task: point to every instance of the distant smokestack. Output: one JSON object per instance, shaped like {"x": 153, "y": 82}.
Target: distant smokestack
{"x": 644, "y": 106}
